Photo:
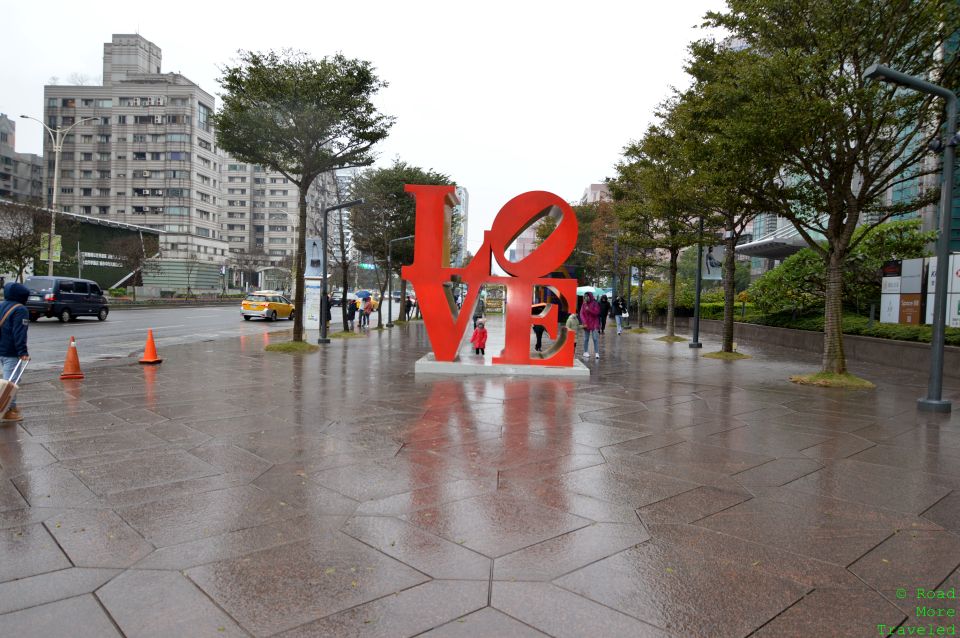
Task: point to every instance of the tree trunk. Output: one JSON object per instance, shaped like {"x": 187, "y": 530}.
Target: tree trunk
{"x": 299, "y": 266}
{"x": 729, "y": 289}
{"x": 834, "y": 359}
{"x": 403, "y": 297}
{"x": 672, "y": 297}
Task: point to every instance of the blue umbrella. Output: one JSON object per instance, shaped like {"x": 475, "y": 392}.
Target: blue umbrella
{"x": 363, "y": 294}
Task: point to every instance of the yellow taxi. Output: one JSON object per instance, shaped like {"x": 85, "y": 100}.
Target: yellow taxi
{"x": 266, "y": 304}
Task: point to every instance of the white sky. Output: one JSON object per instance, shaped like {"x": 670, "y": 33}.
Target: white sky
{"x": 505, "y": 97}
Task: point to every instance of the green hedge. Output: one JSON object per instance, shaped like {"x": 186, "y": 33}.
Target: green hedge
{"x": 853, "y": 324}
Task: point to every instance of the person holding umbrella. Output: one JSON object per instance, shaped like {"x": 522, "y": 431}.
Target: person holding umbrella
{"x": 538, "y": 329}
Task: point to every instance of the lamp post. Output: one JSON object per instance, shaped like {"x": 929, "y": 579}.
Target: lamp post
{"x": 934, "y": 401}
{"x": 390, "y": 278}
{"x": 695, "y": 342}
{"x": 323, "y": 284}
{"x": 56, "y": 138}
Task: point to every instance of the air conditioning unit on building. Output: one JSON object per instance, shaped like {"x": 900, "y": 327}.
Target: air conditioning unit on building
{"x": 136, "y": 101}
{"x": 146, "y": 173}
{"x": 161, "y": 101}
{"x": 149, "y": 101}
{"x": 158, "y": 119}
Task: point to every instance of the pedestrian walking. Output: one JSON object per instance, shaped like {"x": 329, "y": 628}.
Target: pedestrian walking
{"x": 572, "y": 324}
{"x": 590, "y": 320}
{"x": 361, "y": 317}
{"x": 538, "y": 330}
{"x": 407, "y": 308}
{"x": 14, "y": 321}
{"x": 367, "y": 310}
{"x": 479, "y": 338}
{"x": 619, "y": 309}
{"x": 478, "y": 311}
{"x": 351, "y": 314}
{"x": 326, "y": 311}
{"x": 604, "y": 312}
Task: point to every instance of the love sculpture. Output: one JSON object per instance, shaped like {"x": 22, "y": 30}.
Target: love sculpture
{"x": 431, "y": 275}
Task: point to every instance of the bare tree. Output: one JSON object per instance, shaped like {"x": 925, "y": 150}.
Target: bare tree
{"x": 21, "y": 232}
{"x": 190, "y": 266}
{"x": 132, "y": 256}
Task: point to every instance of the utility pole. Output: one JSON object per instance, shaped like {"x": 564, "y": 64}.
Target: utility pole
{"x": 695, "y": 343}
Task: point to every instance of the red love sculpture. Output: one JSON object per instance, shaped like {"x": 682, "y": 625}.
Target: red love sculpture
{"x": 432, "y": 276}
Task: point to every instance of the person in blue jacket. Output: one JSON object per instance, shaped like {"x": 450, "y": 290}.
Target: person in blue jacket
{"x": 13, "y": 336}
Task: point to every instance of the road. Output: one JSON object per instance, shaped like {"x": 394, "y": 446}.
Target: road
{"x": 125, "y": 331}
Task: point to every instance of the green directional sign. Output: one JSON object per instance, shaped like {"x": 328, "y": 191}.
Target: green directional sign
{"x": 367, "y": 266}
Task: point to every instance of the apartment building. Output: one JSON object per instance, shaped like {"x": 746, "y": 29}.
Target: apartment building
{"x": 260, "y": 214}
{"x": 142, "y": 151}
{"x": 21, "y": 174}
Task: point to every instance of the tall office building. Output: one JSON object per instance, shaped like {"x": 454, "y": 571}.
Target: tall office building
{"x": 147, "y": 156}
{"x": 21, "y": 174}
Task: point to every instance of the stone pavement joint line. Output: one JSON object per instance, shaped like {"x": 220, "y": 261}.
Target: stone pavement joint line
{"x": 232, "y": 492}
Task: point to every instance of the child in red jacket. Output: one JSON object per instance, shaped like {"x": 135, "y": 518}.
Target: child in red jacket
{"x": 479, "y": 338}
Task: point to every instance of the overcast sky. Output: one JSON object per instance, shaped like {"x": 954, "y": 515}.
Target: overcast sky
{"x": 505, "y": 97}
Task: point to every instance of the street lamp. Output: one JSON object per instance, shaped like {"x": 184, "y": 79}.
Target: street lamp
{"x": 695, "y": 343}
{"x": 56, "y": 138}
{"x": 934, "y": 401}
{"x": 390, "y": 279}
{"x": 323, "y": 285}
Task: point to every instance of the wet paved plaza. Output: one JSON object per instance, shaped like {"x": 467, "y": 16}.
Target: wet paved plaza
{"x": 232, "y": 492}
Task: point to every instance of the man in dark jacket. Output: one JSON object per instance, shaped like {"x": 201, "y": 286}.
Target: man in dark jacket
{"x": 13, "y": 336}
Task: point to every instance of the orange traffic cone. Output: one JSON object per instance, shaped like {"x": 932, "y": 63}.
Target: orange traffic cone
{"x": 150, "y": 350}
{"x": 71, "y": 366}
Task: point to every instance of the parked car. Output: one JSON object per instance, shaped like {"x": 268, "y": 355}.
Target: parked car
{"x": 65, "y": 298}
{"x": 266, "y": 304}
{"x": 335, "y": 298}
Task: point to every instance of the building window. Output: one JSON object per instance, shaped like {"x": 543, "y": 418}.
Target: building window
{"x": 105, "y": 104}
{"x": 201, "y": 232}
{"x": 103, "y": 210}
{"x": 86, "y": 157}
{"x": 278, "y": 204}
{"x": 68, "y": 102}
{"x": 278, "y": 229}
{"x": 204, "y": 144}
{"x": 121, "y": 119}
{"x": 103, "y": 174}
{"x": 179, "y": 101}
{"x": 233, "y": 179}
{"x": 67, "y": 119}
{"x": 103, "y": 139}
{"x": 86, "y": 192}
{"x": 103, "y": 156}
{"x": 178, "y": 156}
{"x": 86, "y": 139}
{"x": 236, "y": 191}
{"x": 236, "y": 167}
{"x": 86, "y": 174}
{"x": 178, "y": 137}
{"x": 86, "y": 102}
{"x": 178, "y": 174}
{"x": 156, "y": 156}
{"x": 52, "y": 101}
{"x": 139, "y": 137}
{"x": 178, "y": 211}
{"x": 177, "y": 192}
{"x": 67, "y": 190}
{"x": 103, "y": 192}
{"x": 236, "y": 202}
{"x": 66, "y": 173}
{"x": 86, "y": 210}
{"x": 139, "y": 157}
{"x": 204, "y": 114}
{"x": 277, "y": 240}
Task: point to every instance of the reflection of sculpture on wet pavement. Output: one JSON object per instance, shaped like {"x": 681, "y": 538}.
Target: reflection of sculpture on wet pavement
{"x": 433, "y": 278}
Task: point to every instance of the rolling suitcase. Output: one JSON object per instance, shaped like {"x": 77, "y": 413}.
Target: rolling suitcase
{"x": 8, "y": 388}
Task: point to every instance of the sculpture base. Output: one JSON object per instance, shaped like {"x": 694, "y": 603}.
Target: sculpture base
{"x": 483, "y": 364}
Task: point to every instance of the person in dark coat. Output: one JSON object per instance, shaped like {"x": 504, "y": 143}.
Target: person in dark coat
{"x": 13, "y": 336}
{"x": 604, "y": 312}
{"x": 617, "y": 310}
{"x": 351, "y": 313}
